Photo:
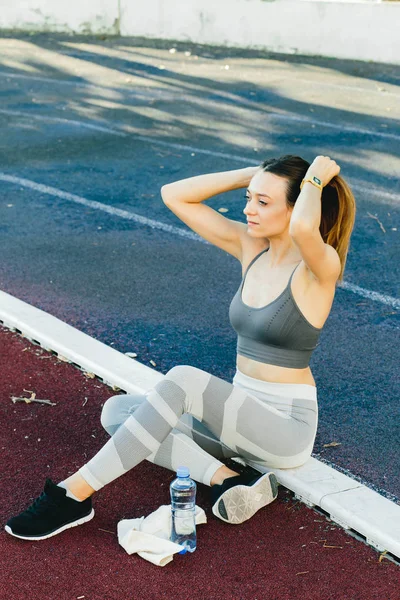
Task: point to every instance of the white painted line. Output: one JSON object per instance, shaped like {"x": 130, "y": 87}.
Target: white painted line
{"x": 349, "y": 503}
{"x": 374, "y": 296}
{"x": 196, "y": 150}
{"x": 34, "y": 78}
{"x": 341, "y": 127}
{"x": 116, "y": 212}
{"x": 139, "y": 93}
{"x": 315, "y": 82}
{"x": 394, "y": 199}
{"x": 48, "y": 119}
{"x": 383, "y": 93}
{"x": 266, "y": 116}
{"x": 370, "y": 191}
{"x": 124, "y": 214}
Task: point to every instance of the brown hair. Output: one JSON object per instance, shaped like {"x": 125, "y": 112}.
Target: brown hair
{"x": 338, "y": 207}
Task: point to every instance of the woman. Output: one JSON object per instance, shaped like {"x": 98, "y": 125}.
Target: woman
{"x": 293, "y": 251}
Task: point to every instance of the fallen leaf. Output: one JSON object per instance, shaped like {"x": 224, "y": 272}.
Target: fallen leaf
{"x": 62, "y": 358}
{"x": 382, "y": 555}
{"x": 89, "y": 375}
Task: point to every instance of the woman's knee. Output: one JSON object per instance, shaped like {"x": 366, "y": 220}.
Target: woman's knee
{"x": 111, "y": 409}
{"x": 180, "y": 371}
{"x": 118, "y": 408}
{"x": 187, "y": 376}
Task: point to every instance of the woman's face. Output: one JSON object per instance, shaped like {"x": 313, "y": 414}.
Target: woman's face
{"x": 266, "y": 205}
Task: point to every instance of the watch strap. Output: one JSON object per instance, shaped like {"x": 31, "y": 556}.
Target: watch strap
{"x": 314, "y": 180}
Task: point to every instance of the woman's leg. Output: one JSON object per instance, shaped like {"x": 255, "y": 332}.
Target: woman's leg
{"x": 263, "y": 422}
{"x": 189, "y": 443}
{"x": 251, "y": 427}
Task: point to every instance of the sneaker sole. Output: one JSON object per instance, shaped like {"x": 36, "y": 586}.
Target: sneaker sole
{"x": 240, "y": 503}
{"x": 81, "y": 521}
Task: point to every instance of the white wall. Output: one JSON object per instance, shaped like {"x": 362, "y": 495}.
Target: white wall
{"x": 362, "y": 30}
{"x": 75, "y": 16}
{"x": 356, "y": 29}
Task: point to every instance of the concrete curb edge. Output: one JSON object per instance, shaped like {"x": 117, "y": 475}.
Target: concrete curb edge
{"x": 361, "y": 511}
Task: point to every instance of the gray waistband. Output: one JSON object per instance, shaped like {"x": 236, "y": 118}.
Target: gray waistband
{"x": 286, "y": 390}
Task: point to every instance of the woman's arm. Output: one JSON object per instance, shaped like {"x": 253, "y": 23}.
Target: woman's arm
{"x": 184, "y": 198}
{"x": 322, "y": 259}
{"x": 201, "y": 187}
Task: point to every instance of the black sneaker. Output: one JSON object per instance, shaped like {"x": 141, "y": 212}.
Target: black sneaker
{"x": 50, "y": 514}
{"x": 238, "y": 498}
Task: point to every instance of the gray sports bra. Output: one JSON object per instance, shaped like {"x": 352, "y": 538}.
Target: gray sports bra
{"x": 278, "y": 333}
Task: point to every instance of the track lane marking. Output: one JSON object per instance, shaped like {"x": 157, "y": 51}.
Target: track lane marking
{"x": 281, "y": 117}
{"x": 124, "y": 214}
{"x": 395, "y": 198}
{"x": 316, "y": 83}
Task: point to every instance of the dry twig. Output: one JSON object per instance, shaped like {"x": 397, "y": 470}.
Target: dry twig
{"x": 293, "y": 505}
{"x": 376, "y": 219}
{"x": 327, "y": 546}
{"x": 32, "y": 399}
{"x": 106, "y": 530}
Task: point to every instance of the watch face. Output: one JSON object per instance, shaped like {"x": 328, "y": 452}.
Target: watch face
{"x": 317, "y": 180}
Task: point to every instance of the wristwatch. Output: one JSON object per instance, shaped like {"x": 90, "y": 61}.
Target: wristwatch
{"x": 314, "y": 180}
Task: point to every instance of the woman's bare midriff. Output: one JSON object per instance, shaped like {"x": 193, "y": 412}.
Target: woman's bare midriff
{"x": 272, "y": 373}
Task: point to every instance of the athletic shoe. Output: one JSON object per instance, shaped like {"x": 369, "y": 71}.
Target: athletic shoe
{"x": 238, "y": 498}
{"x": 51, "y": 513}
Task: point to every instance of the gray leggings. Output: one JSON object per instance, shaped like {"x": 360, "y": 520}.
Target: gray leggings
{"x": 195, "y": 419}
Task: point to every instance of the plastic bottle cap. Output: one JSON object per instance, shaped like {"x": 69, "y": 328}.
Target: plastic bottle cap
{"x": 182, "y": 472}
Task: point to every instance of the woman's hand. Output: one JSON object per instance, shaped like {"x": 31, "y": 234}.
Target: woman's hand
{"x": 324, "y": 168}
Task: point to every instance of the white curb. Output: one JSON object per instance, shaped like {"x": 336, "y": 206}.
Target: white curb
{"x": 352, "y": 505}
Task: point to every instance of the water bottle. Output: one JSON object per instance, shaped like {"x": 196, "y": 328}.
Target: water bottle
{"x": 183, "y": 508}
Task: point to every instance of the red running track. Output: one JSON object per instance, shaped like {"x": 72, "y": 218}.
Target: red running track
{"x": 285, "y": 552}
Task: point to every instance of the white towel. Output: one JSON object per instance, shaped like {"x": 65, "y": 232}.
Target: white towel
{"x": 149, "y": 536}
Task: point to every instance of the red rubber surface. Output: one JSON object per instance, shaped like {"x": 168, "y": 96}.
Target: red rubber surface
{"x": 285, "y": 552}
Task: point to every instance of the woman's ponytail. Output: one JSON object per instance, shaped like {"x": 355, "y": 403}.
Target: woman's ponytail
{"x": 338, "y": 211}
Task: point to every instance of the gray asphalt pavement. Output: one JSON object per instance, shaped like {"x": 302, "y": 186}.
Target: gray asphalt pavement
{"x": 111, "y": 120}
